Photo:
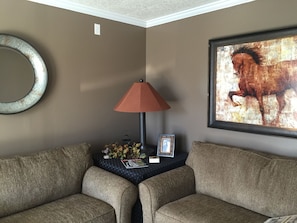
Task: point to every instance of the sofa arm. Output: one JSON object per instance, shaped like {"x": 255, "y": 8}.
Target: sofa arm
{"x": 114, "y": 190}
{"x": 164, "y": 188}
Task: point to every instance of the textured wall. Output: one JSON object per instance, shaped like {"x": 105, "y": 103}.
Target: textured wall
{"x": 177, "y": 62}
{"x": 88, "y": 74}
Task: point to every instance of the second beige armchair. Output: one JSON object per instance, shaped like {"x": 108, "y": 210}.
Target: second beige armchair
{"x": 222, "y": 184}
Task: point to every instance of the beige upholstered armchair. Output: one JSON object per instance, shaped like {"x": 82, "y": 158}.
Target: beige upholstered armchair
{"x": 62, "y": 185}
{"x": 222, "y": 184}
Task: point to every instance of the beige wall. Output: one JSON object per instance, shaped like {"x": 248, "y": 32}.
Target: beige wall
{"x": 87, "y": 76}
{"x": 177, "y": 63}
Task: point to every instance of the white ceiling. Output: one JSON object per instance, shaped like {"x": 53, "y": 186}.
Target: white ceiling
{"x": 143, "y": 13}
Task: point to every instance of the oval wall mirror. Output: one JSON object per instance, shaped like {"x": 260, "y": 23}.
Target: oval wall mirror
{"x": 23, "y": 75}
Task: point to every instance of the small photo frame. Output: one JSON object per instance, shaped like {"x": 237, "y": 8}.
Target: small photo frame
{"x": 166, "y": 144}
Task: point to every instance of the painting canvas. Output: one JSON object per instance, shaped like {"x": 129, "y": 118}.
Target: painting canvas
{"x": 253, "y": 82}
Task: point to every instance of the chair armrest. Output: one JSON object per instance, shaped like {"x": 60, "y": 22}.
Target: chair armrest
{"x": 164, "y": 188}
{"x": 113, "y": 189}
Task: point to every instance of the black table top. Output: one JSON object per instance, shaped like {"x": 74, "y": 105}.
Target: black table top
{"x": 137, "y": 175}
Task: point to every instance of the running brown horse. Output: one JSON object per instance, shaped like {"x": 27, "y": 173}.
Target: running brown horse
{"x": 258, "y": 80}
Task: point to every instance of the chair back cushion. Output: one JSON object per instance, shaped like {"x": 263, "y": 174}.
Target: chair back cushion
{"x": 261, "y": 182}
{"x": 32, "y": 180}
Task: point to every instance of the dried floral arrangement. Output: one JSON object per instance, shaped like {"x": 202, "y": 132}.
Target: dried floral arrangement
{"x": 125, "y": 151}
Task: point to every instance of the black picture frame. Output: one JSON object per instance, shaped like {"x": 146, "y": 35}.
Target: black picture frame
{"x": 259, "y": 71}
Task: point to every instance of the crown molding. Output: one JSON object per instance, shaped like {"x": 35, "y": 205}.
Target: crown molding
{"x": 68, "y": 5}
{"x": 206, "y": 8}
{"x": 210, "y": 7}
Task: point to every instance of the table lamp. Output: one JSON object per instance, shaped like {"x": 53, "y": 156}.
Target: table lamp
{"x": 141, "y": 98}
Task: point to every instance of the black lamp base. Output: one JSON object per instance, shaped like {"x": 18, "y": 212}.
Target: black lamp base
{"x": 149, "y": 150}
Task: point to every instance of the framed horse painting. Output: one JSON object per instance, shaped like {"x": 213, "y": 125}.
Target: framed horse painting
{"x": 253, "y": 82}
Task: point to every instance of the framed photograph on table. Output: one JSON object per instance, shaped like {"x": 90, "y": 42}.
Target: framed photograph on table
{"x": 166, "y": 145}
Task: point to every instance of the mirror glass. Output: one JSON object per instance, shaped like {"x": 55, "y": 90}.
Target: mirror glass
{"x": 23, "y": 75}
{"x": 16, "y": 81}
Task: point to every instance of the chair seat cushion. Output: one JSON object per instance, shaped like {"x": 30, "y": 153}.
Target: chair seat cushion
{"x": 199, "y": 208}
{"x": 76, "y": 208}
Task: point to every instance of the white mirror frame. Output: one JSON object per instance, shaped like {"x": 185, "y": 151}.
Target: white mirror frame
{"x": 40, "y": 75}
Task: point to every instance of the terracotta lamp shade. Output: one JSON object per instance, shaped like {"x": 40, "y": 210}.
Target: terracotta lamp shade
{"x": 141, "y": 98}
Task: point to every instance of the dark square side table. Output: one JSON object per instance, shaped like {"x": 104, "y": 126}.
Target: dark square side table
{"x": 137, "y": 175}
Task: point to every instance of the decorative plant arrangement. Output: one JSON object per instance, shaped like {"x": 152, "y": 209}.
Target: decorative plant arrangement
{"x": 125, "y": 151}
